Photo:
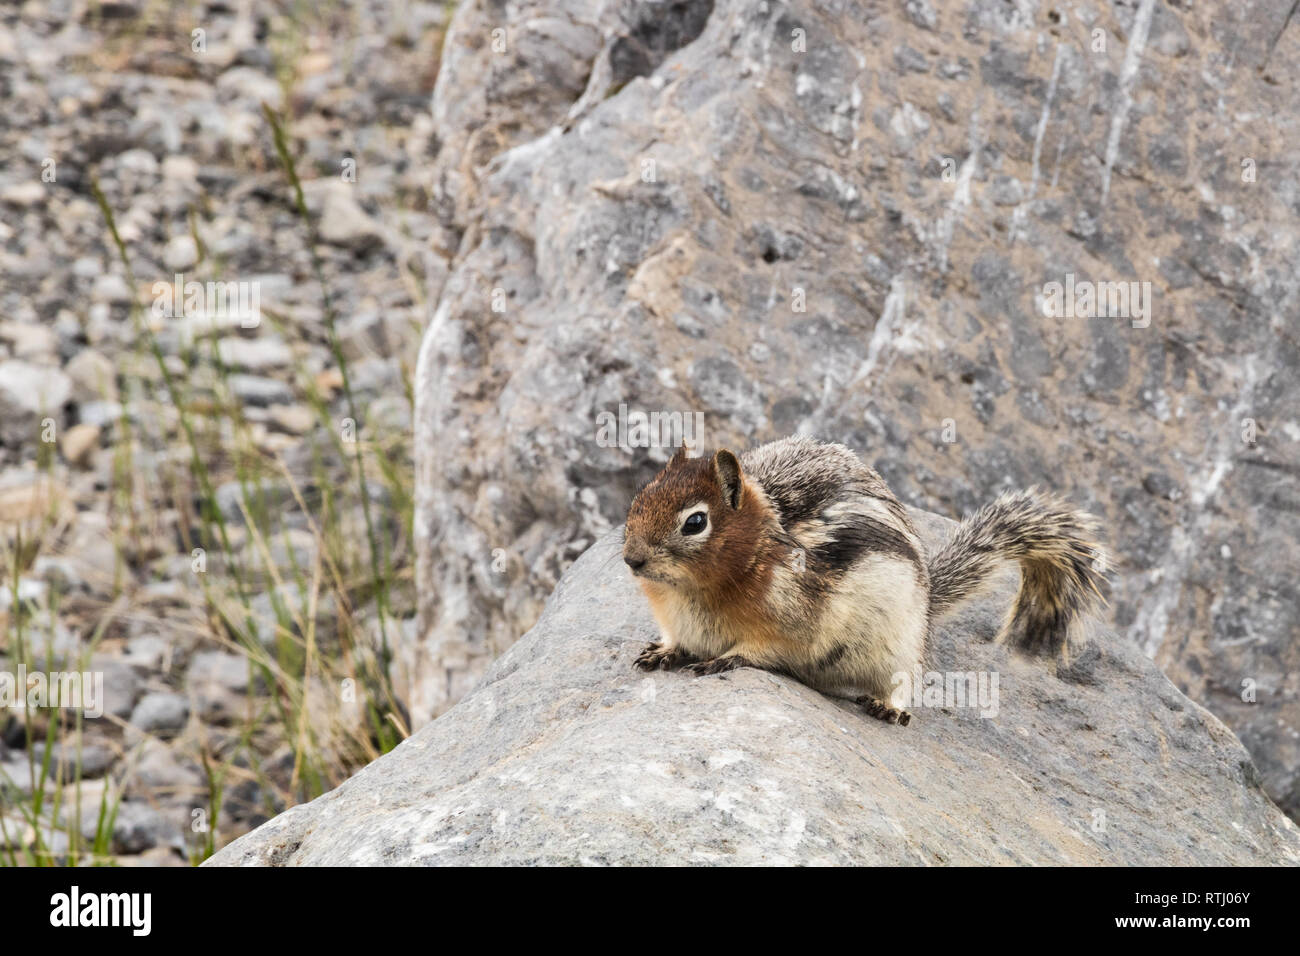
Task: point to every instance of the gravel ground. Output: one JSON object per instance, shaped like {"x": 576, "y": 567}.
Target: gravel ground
{"x": 100, "y": 508}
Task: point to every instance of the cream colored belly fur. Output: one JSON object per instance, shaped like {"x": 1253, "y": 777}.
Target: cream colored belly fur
{"x": 878, "y": 613}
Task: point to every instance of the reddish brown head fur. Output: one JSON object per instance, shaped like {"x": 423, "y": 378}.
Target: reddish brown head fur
{"x": 660, "y": 544}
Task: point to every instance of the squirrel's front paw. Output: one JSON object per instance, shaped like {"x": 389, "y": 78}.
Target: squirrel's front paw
{"x": 656, "y": 656}
{"x": 717, "y": 665}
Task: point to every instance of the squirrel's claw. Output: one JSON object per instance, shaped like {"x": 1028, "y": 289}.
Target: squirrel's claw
{"x": 717, "y": 665}
{"x": 882, "y": 711}
{"x": 656, "y": 656}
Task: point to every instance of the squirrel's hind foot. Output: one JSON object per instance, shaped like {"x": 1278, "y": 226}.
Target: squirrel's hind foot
{"x": 881, "y": 711}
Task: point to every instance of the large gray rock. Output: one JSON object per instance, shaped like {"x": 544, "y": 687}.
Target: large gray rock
{"x": 840, "y": 219}
{"x": 566, "y": 754}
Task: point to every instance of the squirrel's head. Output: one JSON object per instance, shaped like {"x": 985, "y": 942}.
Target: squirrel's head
{"x": 695, "y": 525}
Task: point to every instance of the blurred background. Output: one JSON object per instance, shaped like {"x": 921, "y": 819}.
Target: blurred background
{"x": 210, "y": 509}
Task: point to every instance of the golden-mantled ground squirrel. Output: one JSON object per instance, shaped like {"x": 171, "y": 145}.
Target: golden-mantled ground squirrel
{"x": 797, "y": 558}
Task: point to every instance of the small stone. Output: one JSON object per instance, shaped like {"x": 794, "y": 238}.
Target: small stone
{"x": 374, "y": 376}
{"x": 260, "y": 391}
{"x": 293, "y": 419}
{"x": 138, "y": 161}
{"x": 362, "y": 335}
{"x": 163, "y": 592}
{"x": 87, "y": 267}
{"x": 181, "y": 169}
{"x": 249, "y": 85}
{"x": 218, "y": 683}
{"x": 344, "y": 223}
{"x": 27, "y": 340}
{"x": 67, "y": 330}
{"x": 295, "y": 599}
{"x": 94, "y": 759}
{"x": 147, "y": 652}
{"x": 182, "y": 253}
{"x": 93, "y": 377}
{"x": 49, "y": 844}
{"x": 15, "y": 776}
{"x": 111, "y": 289}
{"x": 154, "y": 767}
{"x": 79, "y": 444}
{"x": 118, "y": 9}
{"x": 92, "y": 552}
{"x": 28, "y": 394}
{"x": 391, "y": 413}
{"x": 59, "y": 571}
{"x": 161, "y": 713}
{"x": 121, "y": 686}
{"x": 30, "y": 193}
{"x": 58, "y": 642}
{"x": 329, "y": 381}
{"x": 30, "y": 500}
{"x": 231, "y": 498}
{"x": 136, "y": 827}
{"x": 99, "y": 414}
{"x": 154, "y": 856}
{"x": 28, "y": 590}
{"x": 255, "y": 355}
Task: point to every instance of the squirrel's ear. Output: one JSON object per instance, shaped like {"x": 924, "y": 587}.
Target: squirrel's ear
{"x": 679, "y": 456}
{"x": 727, "y": 470}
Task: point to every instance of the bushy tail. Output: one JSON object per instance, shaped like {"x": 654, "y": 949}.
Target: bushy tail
{"x": 1062, "y": 567}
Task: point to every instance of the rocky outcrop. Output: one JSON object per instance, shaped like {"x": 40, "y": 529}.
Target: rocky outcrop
{"x": 846, "y": 220}
{"x": 565, "y": 754}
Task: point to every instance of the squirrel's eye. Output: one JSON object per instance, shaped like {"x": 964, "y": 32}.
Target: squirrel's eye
{"x": 695, "y": 523}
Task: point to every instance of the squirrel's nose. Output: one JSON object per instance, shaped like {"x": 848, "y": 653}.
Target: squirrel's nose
{"x": 634, "y": 561}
